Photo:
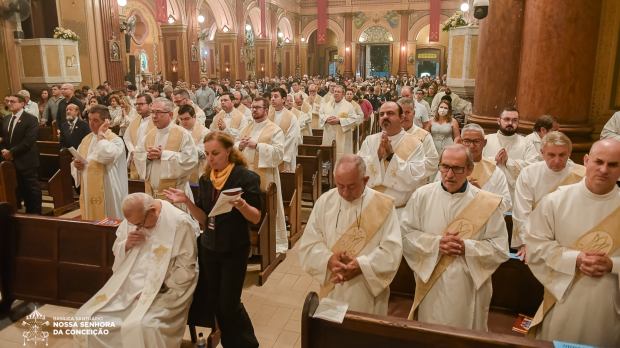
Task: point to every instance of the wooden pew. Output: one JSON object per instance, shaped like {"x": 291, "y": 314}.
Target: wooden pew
{"x": 8, "y": 184}
{"x": 311, "y": 189}
{"x": 56, "y": 261}
{"x": 60, "y": 186}
{"x": 291, "y": 186}
{"x": 48, "y": 133}
{"x": 312, "y": 139}
{"x": 262, "y": 235}
{"x": 317, "y": 132}
{"x": 368, "y": 330}
{"x": 328, "y": 154}
{"x": 49, "y": 162}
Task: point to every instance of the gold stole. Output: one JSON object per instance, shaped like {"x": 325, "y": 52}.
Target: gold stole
{"x": 419, "y": 133}
{"x": 407, "y": 145}
{"x": 468, "y": 223}
{"x": 93, "y": 206}
{"x": 241, "y": 108}
{"x": 315, "y": 106}
{"x": 354, "y": 239}
{"x": 482, "y": 172}
{"x": 604, "y": 237}
{"x": 285, "y": 122}
{"x": 133, "y": 128}
{"x": 306, "y": 108}
{"x": 173, "y": 143}
{"x": 196, "y": 135}
{"x": 265, "y": 137}
{"x": 235, "y": 122}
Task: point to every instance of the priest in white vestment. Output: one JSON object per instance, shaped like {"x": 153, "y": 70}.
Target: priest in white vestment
{"x": 539, "y": 179}
{"x": 181, "y": 97}
{"x": 262, "y": 144}
{"x": 612, "y": 127}
{"x": 395, "y": 161}
{"x": 454, "y": 238}
{"x": 431, "y": 157}
{"x": 338, "y": 120}
{"x": 103, "y": 177}
{"x": 304, "y": 115}
{"x": 166, "y": 156}
{"x": 314, "y": 100}
{"x": 147, "y": 298}
{"x": 543, "y": 125}
{"x": 486, "y": 175}
{"x": 572, "y": 244}
{"x": 511, "y": 151}
{"x": 229, "y": 119}
{"x": 187, "y": 120}
{"x": 356, "y": 273}
{"x": 287, "y": 121}
{"x": 241, "y": 106}
{"x": 138, "y": 127}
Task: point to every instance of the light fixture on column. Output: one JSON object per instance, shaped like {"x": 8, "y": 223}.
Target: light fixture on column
{"x": 464, "y": 7}
{"x": 201, "y": 19}
{"x": 303, "y": 39}
{"x": 403, "y": 48}
{"x": 280, "y": 34}
{"x": 171, "y": 19}
{"x": 248, "y": 27}
{"x": 348, "y": 49}
{"x": 287, "y": 40}
{"x": 174, "y": 63}
{"x": 121, "y": 3}
{"x": 225, "y": 29}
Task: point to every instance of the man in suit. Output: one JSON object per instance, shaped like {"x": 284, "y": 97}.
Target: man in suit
{"x": 68, "y": 92}
{"x": 74, "y": 129}
{"x": 18, "y": 142}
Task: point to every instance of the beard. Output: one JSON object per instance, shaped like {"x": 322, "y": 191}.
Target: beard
{"x": 508, "y": 131}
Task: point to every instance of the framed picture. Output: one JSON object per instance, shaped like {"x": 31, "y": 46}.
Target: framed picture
{"x": 195, "y": 54}
{"x": 115, "y": 50}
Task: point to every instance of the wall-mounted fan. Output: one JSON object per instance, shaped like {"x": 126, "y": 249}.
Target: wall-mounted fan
{"x": 18, "y": 10}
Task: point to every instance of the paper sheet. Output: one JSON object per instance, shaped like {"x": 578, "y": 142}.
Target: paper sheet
{"x": 331, "y": 310}
{"x": 223, "y": 206}
{"x": 77, "y": 155}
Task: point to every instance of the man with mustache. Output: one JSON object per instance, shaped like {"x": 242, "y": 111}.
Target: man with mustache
{"x": 395, "y": 160}
{"x": 572, "y": 245}
{"x": 511, "y": 151}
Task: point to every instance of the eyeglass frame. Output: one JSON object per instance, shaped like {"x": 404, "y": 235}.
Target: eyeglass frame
{"x": 444, "y": 168}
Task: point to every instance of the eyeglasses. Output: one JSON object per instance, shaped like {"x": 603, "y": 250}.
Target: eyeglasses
{"x": 257, "y": 107}
{"x": 160, "y": 111}
{"x": 456, "y": 170}
{"x": 474, "y": 142}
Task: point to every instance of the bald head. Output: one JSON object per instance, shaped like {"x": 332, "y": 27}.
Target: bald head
{"x": 602, "y": 166}
{"x": 141, "y": 209}
{"x": 350, "y": 177}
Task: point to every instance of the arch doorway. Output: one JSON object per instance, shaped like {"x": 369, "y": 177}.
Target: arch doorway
{"x": 323, "y": 59}
{"x": 374, "y": 52}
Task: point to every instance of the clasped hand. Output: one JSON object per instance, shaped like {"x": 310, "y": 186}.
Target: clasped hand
{"x": 594, "y": 264}
{"x": 246, "y": 142}
{"x": 135, "y": 237}
{"x": 385, "y": 146}
{"x": 332, "y": 120}
{"x": 153, "y": 153}
{"x": 343, "y": 267}
{"x": 451, "y": 244}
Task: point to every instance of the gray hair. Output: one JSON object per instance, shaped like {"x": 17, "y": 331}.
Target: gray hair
{"x": 359, "y": 163}
{"x": 138, "y": 199}
{"x": 168, "y": 105}
{"x": 558, "y": 139}
{"x": 404, "y": 101}
{"x": 459, "y": 148}
{"x": 472, "y": 127}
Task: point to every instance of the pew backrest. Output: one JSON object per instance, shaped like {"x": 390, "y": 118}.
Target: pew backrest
{"x": 8, "y": 184}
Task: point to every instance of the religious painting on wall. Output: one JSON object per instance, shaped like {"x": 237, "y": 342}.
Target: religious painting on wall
{"x": 195, "y": 53}
{"x": 115, "y": 50}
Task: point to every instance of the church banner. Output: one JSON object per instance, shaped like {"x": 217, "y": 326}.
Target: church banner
{"x": 321, "y": 32}
{"x": 433, "y": 34}
{"x": 161, "y": 11}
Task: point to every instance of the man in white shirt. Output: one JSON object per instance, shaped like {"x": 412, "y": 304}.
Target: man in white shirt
{"x": 30, "y": 107}
{"x": 338, "y": 120}
{"x": 182, "y": 97}
{"x": 543, "y": 125}
{"x": 612, "y": 127}
{"x": 229, "y": 119}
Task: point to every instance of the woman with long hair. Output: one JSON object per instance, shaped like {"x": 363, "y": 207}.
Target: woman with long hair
{"x": 225, "y": 244}
{"x": 443, "y": 127}
{"x": 43, "y": 98}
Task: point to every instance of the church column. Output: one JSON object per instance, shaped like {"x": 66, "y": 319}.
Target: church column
{"x": 497, "y": 66}
{"x": 110, "y": 24}
{"x": 264, "y": 61}
{"x": 288, "y": 59}
{"x": 175, "y": 62}
{"x": 404, "y": 32}
{"x": 227, "y": 48}
{"x": 348, "y": 50}
{"x": 303, "y": 54}
{"x": 557, "y": 64}
{"x": 240, "y": 71}
{"x": 193, "y": 49}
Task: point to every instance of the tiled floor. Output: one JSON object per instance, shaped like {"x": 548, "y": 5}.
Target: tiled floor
{"x": 275, "y": 309}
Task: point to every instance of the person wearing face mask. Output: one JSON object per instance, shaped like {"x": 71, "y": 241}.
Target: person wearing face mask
{"x": 444, "y": 128}
{"x": 74, "y": 129}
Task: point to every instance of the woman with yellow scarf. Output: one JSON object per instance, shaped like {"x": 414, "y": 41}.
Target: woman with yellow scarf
{"x": 225, "y": 244}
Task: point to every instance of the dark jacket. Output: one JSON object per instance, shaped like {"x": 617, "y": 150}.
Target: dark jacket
{"x": 232, "y": 230}
{"x": 62, "y": 109}
{"x": 23, "y": 144}
{"x": 69, "y": 138}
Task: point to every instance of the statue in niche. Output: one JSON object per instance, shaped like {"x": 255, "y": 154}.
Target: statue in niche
{"x": 144, "y": 62}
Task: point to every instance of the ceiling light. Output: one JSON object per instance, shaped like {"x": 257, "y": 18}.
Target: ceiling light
{"x": 303, "y": 39}
{"x": 248, "y": 27}
{"x": 171, "y": 19}
{"x": 280, "y": 34}
{"x": 121, "y": 3}
{"x": 201, "y": 19}
{"x": 225, "y": 29}
{"x": 464, "y": 7}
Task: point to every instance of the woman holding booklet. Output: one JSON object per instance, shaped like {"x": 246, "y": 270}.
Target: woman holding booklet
{"x": 225, "y": 243}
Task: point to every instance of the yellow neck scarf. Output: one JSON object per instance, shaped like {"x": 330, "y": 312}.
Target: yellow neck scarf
{"x": 218, "y": 179}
